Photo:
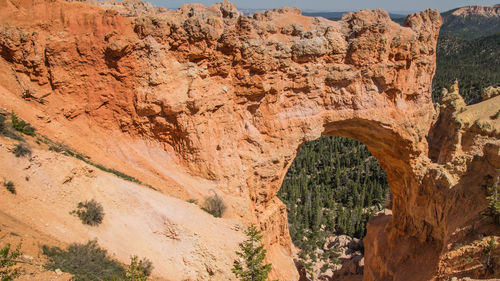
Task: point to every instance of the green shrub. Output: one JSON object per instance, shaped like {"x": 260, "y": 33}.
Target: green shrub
{"x": 146, "y": 266}
{"x": 2, "y": 123}
{"x": 139, "y": 270}
{"x": 214, "y": 205}
{"x": 5, "y": 129}
{"x": 496, "y": 115}
{"x": 90, "y": 212}
{"x": 192, "y": 201}
{"x": 493, "y": 199}
{"x": 21, "y": 126}
{"x": 8, "y": 259}
{"x": 12, "y": 135}
{"x": 21, "y": 150}
{"x": 488, "y": 250}
{"x": 10, "y": 186}
{"x": 55, "y": 148}
{"x": 324, "y": 268}
{"x": 87, "y": 262}
{"x": 114, "y": 172}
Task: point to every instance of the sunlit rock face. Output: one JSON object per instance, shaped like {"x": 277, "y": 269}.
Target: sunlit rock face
{"x": 232, "y": 98}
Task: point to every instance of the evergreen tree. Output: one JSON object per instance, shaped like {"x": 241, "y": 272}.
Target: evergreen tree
{"x": 250, "y": 267}
{"x": 493, "y": 198}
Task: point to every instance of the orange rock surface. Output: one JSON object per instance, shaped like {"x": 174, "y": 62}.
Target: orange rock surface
{"x": 205, "y": 98}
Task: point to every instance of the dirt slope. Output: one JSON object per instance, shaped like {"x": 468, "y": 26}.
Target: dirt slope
{"x": 138, "y": 220}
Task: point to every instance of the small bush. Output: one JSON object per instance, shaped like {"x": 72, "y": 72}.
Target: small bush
{"x": 5, "y": 131}
{"x": 12, "y": 135}
{"x": 10, "y": 186}
{"x": 90, "y": 212}
{"x": 495, "y": 116}
{"x": 214, "y": 205}
{"x": 493, "y": 199}
{"x": 55, "y": 148}
{"x": 7, "y": 261}
{"x": 2, "y": 123}
{"x": 324, "y": 268}
{"x": 87, "y": 262}
{"x": 146, "y": 266}
{"x": 116, "y": 173}
{"x": 488, "y": 250}
{"x": 139, "y": 270}
{"x": 21, "y": 126}
{"x": 21, "y": 150}
{"x": 192, "y": 201}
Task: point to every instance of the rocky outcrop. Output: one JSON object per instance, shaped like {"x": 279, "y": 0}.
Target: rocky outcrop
{"x": 344, "y": 260}
{"x": 226, "y": 100}
{"x": 490, "y": 92}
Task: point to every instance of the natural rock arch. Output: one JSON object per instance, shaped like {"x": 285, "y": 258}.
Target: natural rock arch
{"x": 393, "y": 153}
{"x": 233, "y": 97}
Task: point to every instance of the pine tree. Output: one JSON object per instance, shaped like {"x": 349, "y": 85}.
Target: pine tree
{"x": 493, "y": 198}
{"x": 250, "y": 267}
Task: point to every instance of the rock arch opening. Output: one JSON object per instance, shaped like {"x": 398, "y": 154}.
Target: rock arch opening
{"x": 331, "y": 190}
{"x": 335, "y": 185}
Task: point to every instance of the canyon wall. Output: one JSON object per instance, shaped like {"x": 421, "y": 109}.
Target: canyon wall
{"x": 229, "y": 99}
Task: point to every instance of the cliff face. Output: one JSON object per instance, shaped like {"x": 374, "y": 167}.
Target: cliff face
{"x": 226, "y": 100}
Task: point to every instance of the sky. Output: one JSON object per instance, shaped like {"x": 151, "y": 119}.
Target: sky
{"x": 405, "y": 6}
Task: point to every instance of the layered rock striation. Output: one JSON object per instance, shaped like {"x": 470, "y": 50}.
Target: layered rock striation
{"x": 231, "y": 99}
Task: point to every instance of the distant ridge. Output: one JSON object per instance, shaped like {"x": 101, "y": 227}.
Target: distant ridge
{"x": 486, "y": 11}
{"x": 469, "y": 50}
{"x": 471, "y": 21}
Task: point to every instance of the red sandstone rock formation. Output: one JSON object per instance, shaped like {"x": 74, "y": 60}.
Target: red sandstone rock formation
{"x": 231, "y": 98}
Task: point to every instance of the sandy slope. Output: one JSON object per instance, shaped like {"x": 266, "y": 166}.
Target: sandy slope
{"x": 138, "y": 221}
